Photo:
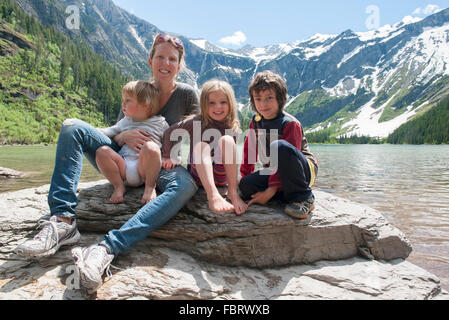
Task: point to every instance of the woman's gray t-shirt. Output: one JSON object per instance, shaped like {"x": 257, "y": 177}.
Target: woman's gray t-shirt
{"x": 183, "y": 102}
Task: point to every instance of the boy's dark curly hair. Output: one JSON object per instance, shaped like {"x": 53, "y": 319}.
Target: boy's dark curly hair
{"x": 269, "y": 80}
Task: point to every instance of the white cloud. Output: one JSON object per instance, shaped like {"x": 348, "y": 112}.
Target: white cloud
{"x": 417, "y": 11}
{"x": 430, "y": 9}
{"x": 236, "y": 39}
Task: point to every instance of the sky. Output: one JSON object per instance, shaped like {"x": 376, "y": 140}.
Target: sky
{"x": 236, "y": 23}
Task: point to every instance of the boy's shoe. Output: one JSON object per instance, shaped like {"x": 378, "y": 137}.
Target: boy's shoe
{"x": 300, "y": 210}
{"x": 53, "y": 235}
{"x": 91, "y": 263}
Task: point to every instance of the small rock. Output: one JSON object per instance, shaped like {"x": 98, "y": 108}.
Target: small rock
{"x": 10, "y": 173}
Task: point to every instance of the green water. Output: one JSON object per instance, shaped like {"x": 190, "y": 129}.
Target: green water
{"x": 37, "y": 162}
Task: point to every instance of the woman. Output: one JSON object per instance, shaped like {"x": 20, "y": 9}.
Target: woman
{"x": 176, "y": 186}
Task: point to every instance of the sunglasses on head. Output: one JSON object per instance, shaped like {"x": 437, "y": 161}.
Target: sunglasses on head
{"x": 165, "y": 37}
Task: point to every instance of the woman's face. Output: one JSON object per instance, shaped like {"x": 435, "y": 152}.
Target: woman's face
{"x": 165, "y": 62}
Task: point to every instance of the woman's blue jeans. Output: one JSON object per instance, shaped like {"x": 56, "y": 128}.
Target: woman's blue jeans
{"x": 78, "y": 138}
{"x": 177, "y": 187}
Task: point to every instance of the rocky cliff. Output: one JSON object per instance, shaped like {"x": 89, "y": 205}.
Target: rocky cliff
{"x": 343, "y": 251}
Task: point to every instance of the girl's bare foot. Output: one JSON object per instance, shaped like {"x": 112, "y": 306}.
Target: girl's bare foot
{"x": 239, "y": 205}
{"x": 218, "y": 204}
{"x": 148, "y": 195}
{"x": 117, "y": 195}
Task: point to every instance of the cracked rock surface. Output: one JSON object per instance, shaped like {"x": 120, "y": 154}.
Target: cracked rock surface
{"x": 343, "y": 251}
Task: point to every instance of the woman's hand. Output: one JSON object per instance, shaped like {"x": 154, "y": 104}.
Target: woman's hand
{"x": 135, "y": 138}
{"x": 168, "y": 164}
{"x": 264, "y": 196}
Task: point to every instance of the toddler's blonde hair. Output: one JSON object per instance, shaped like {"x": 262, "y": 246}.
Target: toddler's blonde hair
{"x": 145, "y": 93}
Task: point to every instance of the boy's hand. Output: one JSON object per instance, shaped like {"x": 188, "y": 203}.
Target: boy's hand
{"x": 135, "y": 139}
{"x": 264, "y": 196}
{"x": 168, "y": 164}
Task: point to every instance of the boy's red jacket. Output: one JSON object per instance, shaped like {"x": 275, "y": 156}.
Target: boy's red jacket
{"x": 287, "y": 128}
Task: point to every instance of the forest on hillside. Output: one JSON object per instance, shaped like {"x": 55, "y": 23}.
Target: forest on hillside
{"x": 430, "y": 128}
{"x": 48, "y": 78}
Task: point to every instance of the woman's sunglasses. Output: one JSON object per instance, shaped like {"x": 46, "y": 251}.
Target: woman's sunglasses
{"x": 165, "y": 37}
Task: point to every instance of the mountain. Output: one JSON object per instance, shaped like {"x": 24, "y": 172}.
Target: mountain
{"x": 351, "y": 83}
{"x": 371, "y": 83}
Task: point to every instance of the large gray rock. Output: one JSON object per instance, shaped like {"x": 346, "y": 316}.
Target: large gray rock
{"x": 263, "y": 237}
{"x": 162, "y": 272}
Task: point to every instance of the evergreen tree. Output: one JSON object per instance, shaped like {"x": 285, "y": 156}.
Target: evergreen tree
{"x": 430, "y": 128}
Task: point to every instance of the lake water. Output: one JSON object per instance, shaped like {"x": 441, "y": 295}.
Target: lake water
{"x": 408, "y": 184}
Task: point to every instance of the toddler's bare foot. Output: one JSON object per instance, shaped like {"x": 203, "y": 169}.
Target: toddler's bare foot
{"x": 117, "y": 195}
{"x": 239, "y": 205}
{"x": 148, "y": 195}
{"x": 218, "y": 204}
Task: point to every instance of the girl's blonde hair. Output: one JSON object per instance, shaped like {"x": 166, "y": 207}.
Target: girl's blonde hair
{"x": 232, "y": 119}
{"x": 145, "y": 93}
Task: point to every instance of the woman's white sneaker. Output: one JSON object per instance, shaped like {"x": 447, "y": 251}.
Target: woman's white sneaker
{"x": 91, "y": 263}
{"x": 54, "y": 234}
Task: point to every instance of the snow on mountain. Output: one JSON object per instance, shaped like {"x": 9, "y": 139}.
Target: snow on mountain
{"x": 139, "y": 40}
{"x": 311, "y": 52}
{"x": 386, "y": 30}
{"x": 367, "y": 121}
{"x": 426, "y": 56}
{"x": 433, "y": 48}
{"x": 320, "y": 38}
{"x": 345, "y": 87}
{"x": 350, "y": 55}
{"x": 200, "y": 43}
{"x": 269, "y": 52}
{"x": 209, "y": 47}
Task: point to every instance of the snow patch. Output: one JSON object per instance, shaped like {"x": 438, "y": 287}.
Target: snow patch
{"x": 199, "y": 43}
{"x": 97, "y": 11}
{"x": 367, "y": 123}
{"x": 136, "y": 36}
{"x": 320, "y": 38}
{"x": 345, "y": 87}
{"x": 229, "y": 69}
{"x": 350, "y": 55}
{"x": 392, "y": 35}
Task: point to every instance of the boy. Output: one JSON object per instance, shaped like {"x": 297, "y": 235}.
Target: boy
{"x": 296, "y": 168}
{"x": 140, "y": 104}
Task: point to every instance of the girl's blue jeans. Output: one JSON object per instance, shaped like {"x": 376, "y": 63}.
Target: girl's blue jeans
{"x": 78, "y": 138}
